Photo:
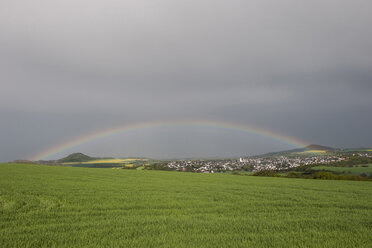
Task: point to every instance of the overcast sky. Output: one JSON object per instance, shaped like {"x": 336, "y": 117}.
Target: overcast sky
{"x": 71, "y": 67}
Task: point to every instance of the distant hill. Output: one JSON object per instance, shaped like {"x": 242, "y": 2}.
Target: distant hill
{"x": 304, "y": 150}
{"x": 318, "y": 147}
{"x": 76, "y": 157}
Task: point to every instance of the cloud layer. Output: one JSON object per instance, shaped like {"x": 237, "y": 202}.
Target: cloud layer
{"x": 296, "y": 67}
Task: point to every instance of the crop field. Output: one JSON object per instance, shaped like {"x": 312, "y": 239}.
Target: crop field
{"x": 355, "y": 170}
{"x": 115, "y": 160}
{"x": 57, "y": 206}
{"x": 316, "y": 151}
{"x": 312, "y": 152}
{"x": 110, "y": 161}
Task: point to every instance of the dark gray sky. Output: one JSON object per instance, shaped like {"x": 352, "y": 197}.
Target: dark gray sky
{"x": 71, "y": 67}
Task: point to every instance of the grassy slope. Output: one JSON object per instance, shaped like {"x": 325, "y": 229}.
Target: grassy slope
{"x": 355, "y": 170}
{"x": 63, "y": 206}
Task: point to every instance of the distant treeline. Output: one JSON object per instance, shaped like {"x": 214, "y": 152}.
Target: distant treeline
{"x": 325, "y": 175}
{"x": 98, "y": 165}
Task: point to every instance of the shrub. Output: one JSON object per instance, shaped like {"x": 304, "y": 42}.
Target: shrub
{"x": 324, "y": 175}
{"x": 266, "y": 173}
{"x": 294, "y": 174}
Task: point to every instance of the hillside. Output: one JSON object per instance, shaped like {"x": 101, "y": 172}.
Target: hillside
{"x": 318, "y": 147}
{"x": 304, "y": 151}
{"x": 314, "y": 150}
{"x": 76, "y": 157}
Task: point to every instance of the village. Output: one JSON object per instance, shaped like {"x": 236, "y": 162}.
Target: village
{"x": 255, "y": 163}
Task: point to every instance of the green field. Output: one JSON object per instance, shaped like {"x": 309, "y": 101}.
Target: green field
{"x": 56, "y": 206}
{"x": 355, "y": 170}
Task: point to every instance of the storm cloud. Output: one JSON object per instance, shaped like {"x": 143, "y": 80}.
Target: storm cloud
{"x": 68, "y": 68}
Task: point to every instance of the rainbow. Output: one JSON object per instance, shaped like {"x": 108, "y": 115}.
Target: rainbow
{"x": 153, "y": 124}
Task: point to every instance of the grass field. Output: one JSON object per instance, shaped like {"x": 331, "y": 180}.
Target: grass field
{"x": 355, "y": 170}
{"x": 52, "y": 206}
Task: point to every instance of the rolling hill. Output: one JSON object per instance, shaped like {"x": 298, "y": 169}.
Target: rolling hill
{"x": 307, "y": 150}
{"x": 76, "y": 157}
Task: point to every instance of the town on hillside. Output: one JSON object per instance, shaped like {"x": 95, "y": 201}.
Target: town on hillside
{"x": 257, "y": 163}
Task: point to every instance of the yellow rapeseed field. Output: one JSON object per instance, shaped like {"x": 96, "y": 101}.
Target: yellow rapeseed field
{"x": 312, "y": 151}
{"x": 317, "y": 151}
{"x": 106, "y": 161}
{"x": 113, "y": 161}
